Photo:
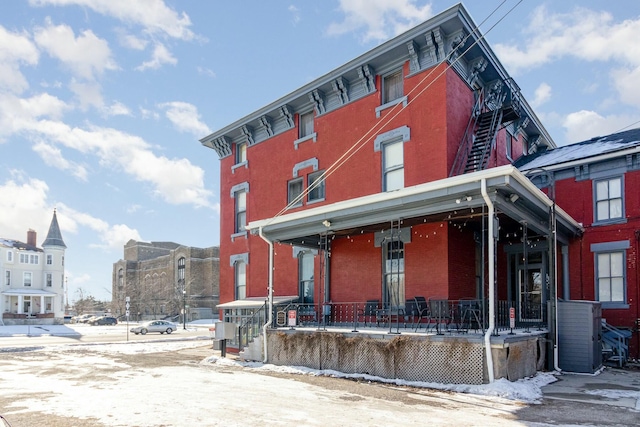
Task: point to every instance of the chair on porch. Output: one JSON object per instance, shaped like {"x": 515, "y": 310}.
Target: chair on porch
{"x": 422, "y": 311}
{"x": 370, "y": 310}
{"x": 410, "y": 312}
{"x": 470, "y": 314}
{"x": 440, "y": 312}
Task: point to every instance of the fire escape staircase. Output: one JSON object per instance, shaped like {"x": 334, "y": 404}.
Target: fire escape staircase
{"x": 490, "y": 112}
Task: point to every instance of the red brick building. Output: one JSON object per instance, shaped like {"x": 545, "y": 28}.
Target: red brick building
{"x": 390, "y": 177}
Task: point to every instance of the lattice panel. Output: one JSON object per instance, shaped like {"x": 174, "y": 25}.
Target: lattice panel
{"x": 456, "y": 361}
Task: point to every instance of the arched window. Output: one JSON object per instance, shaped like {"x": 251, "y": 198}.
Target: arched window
{"x": 120, "y": 279}
{"x": 182, "y": 262}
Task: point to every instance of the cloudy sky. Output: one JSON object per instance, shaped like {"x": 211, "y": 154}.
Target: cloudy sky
{"x": 102, "y": 102}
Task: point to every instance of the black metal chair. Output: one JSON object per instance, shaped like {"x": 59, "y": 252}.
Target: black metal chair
{"x": 440, "y": 312}
{"x": 422, "y": 311}
{"x": 410, "y": 312}
{"x": 371, "y": 310}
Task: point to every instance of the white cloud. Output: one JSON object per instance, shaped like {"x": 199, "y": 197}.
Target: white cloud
{"x": 541, "y": 95}
{"x": 117, "y": 109}
{"x": 626, "y": 82}
{"x": 582, "y": 34}
{"x": 160, "y": 56}
{"x": 185, "y": 118}
{"x": 380, "y": 19}
{"x": 149, "y": 114}
{"x": 295, "y": 14}
{"x": 15, "y": 49}
{"x": 583, "y": 125}
{"x": 87, "y": 55}
{"x": 131, "y": 41}
{"x": 52, "y": 156}
{"x": 206, "y": 72}
{"x": 23, "y": 203}
{"x": 88, "y": 94}
{"x": 153, "y": 15}
{"x": 16, "y": 114}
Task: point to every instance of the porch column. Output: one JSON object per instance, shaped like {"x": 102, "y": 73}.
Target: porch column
{"x": 41, "y": 304}
{"x": 566, "y": 294}
{"x": 20, "y": 304}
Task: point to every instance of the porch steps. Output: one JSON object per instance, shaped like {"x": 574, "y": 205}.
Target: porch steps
{"x": 615, "y": 344}
{"x": 253, "y": 351}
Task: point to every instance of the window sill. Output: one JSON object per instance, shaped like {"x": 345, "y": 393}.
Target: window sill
{"x": 391, "y": 104}
{"x": 609, "y": 222}
{"x": 234, "y": 236}
{"x": 313, "y": 136}
{"x": 239, "y": 165}
{"x": 310, "y": 202}
{"x": 614, "y": 306}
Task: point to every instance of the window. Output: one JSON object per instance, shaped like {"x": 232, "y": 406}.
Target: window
{"x": 608, "y": 199}
{"x": 241, "y": 279}
{"x": 24, "y": 259}
{"x": 9, "y": 256}
{"x": 182, "y": 262}
{"x": 305, "y": 267}
{"x": 610, "y": 277}
{"x": 49, "y": 259}
{"x": 7, "y": 277}
{"x": 306, "y": 124}
{"x": 34, "y": 259}
{"x": 392, "y": 87}
{"x": 295, "y": 189}
{"x": 49, "y": 279}
{"x": 241, "y": 152}
{"x": 509, "y": 145}
{"x": 316, "y": 191}
{"x": 26, "y": 278}
{"x": 120, "y": 279}
{"x": 241, "y": 211}
{"x": 393, "y": 169}
{"x": 394, "y": 274}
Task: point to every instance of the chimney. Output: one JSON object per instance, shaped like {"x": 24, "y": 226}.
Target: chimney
{"x": 31, "y": 237}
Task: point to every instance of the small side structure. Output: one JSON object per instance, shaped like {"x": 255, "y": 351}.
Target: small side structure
{"x": 33, "y": 278}
{"x": 162, "y": 279}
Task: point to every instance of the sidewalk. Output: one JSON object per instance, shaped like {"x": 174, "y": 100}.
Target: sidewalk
{"x": 614, "y": 387}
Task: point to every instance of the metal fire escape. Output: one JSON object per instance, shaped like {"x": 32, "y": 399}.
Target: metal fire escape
{"x": 499, "y": 105}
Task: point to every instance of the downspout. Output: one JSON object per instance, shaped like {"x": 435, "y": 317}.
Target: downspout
{"x": 270, "y": 316}
{"x": 487, "y": 335}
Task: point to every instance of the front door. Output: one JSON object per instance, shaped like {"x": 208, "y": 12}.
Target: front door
{"x": 530, "y": 293}
{"x": 26, "y": 305}
{"x": 394, "y": 275}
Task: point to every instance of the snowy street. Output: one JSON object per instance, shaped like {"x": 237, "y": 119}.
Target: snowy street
{"x": 173, "y": 382}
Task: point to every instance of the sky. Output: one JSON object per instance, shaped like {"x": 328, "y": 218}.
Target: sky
{"x": 103, "y": 102}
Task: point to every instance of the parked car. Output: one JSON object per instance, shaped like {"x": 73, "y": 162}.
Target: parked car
{"x": 82, "y": 318}
{"x": 104, "y": 320}
{"x": 161, "y": 326}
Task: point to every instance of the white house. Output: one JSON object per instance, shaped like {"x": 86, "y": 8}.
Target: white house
{"x": 33, "y": 278}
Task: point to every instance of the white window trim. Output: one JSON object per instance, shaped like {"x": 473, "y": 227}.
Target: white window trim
{"x": 404, "y": 100}
{"x": 623, "y": 218}
{"x": 611, "y": 247}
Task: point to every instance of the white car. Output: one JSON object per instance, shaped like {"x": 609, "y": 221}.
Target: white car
{"x": 161, "y": 326}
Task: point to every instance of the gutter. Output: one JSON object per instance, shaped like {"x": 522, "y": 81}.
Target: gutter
{"x": 270, "y": 287}
{"x": 487, "y": 335}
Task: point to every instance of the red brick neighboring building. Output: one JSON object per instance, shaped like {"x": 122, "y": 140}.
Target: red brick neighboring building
{"x": 596, "y": 182}
{"x": 390, "y": 177}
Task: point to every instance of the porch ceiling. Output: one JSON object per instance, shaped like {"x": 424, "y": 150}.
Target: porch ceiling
{"x": 430, "y": 202}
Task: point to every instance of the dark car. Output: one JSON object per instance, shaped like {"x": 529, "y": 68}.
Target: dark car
{"x": 104, "y": 320}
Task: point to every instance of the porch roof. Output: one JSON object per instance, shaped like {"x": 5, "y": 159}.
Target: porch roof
{"x": 255, "y": 302}
{"x": 433, "y": 201}
{"x": 29, "y": 292}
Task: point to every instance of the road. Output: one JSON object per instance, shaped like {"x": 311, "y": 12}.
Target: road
{"x": 160, "y": 380}
{"x": 81, "y": 333}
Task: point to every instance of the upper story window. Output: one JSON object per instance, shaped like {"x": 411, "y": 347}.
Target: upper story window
{"x": 241, "y": 152}
{"x": 392, "y": 86}
{"x": 393, "y": 166}
{"x": 49, "y": 259}
{"x": 241, "y": 211}
{"x": 316, "y": 186}
{"x": 306, "y": 124}
{"x": 7, "y": 277}
{"x": 9, "y": 256}
{"x": 26, "y": 278}
{"x": 29, "y": 259}
{"x": 294, "y": 191}
{"x": 120, "y": 279}
{"x": 510, "y": 140}
{"x": 608, "y": 199}
{"x": 49, "y": 280}
{"x": 182, "y": 263}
